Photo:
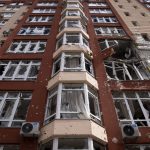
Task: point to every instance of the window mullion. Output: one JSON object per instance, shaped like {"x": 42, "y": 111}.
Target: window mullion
{"x": 62, "y": 62}
{"x": 86, "y": 100}
{"x": 16, "y": 70}
{"x": 58, "y": 101}
{"x": 36, "y": 47}
{"x": 6, "y": 69}
{"x": 18, "y": 47}
{"x": 28, "y": 70}
{"x": 90, "y": 144}
{"x": 55, "y": 144}
{"x": 27, "y": 47}
{"x": 82, "y": 61}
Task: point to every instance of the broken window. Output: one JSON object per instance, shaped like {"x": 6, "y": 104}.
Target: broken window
{"x": 9, "y": 147}
{"x": 72, "y": 62}
{"x": 13, "y": 108}
{"x": 19, "y": 70}
{"x": 72, "y": 39}
{"x": 133, "y": 107}
{"x": 27, "y": 47}
{"x": 137, "y": 147}
{"x": 74, "y": 104}
{"x": 34, "y": 31}
{"x": 72, "y": 144}
{"x": 126, "y": 70}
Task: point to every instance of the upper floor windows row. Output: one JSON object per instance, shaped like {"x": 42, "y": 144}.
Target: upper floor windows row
{"x": 104, "y": 19}
{"x": 13, "y": 108}
{"x": 19, "y": 70}
{"x": 101, "y": 11}
{"x": 98, "y": 4}
{"x": 27, "y": 47}
{"x": 72, "y": 101}
{"x": 47, "y": 4}
{"x": 74, "y": 5}
{"x": 72, "y": 39}
{"x": 72, "y": 62}
{"x": 40, "y": 19}
{"x": 34, "y": 31}
{"x": 110, "y": 31}
{"x": 43, "y": 11}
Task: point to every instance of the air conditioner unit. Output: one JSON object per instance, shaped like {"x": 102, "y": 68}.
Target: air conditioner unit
{"x": 30, "y": 129}
{"x": 130, "y": 131}
{"x": 90, "y": 54}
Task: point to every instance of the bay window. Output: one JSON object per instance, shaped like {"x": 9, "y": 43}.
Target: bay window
{"x": 72, "y": 62}
{"x": 74, "y": 5}
{"x": 72, "y": 144}
{"x": 34, "y": 31}
{"x": 72, "y": 24}
{"x": 133, "y": 107}
{"x": 19, "y": 70}
{"x": 27, "y": 47}
{"x": 13, "y": 108}
{"x": 72, "y": 101}
{"x": 72, "y": 39}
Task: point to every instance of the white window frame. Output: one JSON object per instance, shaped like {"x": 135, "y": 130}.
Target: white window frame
{"x": 101, "y": 11}
{"x": 16, "y": 100}
{"x": 27, "y": 47}
{"x": 82, "y": 67}
{"x": 46, "y": 4}
{"x": 18, "y": 64}
{"x": 39, "y": 19}
{"x": 103, "y": 19}
{"x": 43, "y": 11}
{"x": 91, "y": 4}
{"x": 137, "y": 98}
{"x": 85, "y": 90}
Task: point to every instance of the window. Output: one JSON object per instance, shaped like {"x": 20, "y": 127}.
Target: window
{"x": 73, "y": 24}
{"x": 146, "y": 37}
{"x": 109, "y": 31}
{"x": 3, "y": 21}
{"x": 19, "y": 70}
{"x": 104, "y": 44}
{"x": 135, "y": 23}
{"x": 7, "y": 14}
{"x": 104, "y": 19}
{"x": 47, "y": 4}
{"x": 72, "y": 39}
{"x": 72, "y": 62}
{"x": 97, "y": 4}
{"x": 78, "y": 101}
{"x": 133, "y": 107}
{"x": 101, "y": 11}
{"x": 40, "y": 19}
{"x": 13, "y": 108}
{"x": 137, "y": 147}
{"x": 74, "y": 5}
{"x": 72, "y": 144}
{"x": 9, "y": 147}
{"x": 124, "y": 70}
{"x": 127, "y": 13}
{"x": 43, "y": 11}
{"x": 34, "y": 31}
{"x": 27, "y": 47}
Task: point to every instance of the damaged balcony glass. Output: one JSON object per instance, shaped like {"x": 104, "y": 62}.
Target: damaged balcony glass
{"x": 72, "y": 39}
{"x": 19, "y": 70}
{"x": 73, "y": 24}
{"x": 133, "y": 107}
{"x": 72, "y": 101}
{"x": 27, "y": 47}
{"x": 72, "y": 144}
{"x": 72, "y": 62}
{"x": 13, "y": 108}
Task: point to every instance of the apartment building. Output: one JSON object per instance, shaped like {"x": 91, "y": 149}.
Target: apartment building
{"x": 74, "y": 75}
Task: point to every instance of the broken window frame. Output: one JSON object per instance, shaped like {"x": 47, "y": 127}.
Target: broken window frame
{"x": 40, "y": 19}
{"x": 109, "y": 31}
{"x": 101, "y": 11}
{"x": 83, "y": 110}
{"x": 125, "y": 67}
{"x": 34, "y": 31}
{"x": 16, "y": 99}
{"x": 83, "y": 41}
{"x": 25, "y": 47}
{"x": 82, "y": 66}
{"x": 43, "y": 11}
{"x": 89, "y": 144}
{"x": 97, "y": 19}
{"x": 47, "y": 4}
{"x": 93, "y": 4}
{"x": 128, "y": 104}
{"x": 12, "y": 70}
{"x": 78, "y": 24}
